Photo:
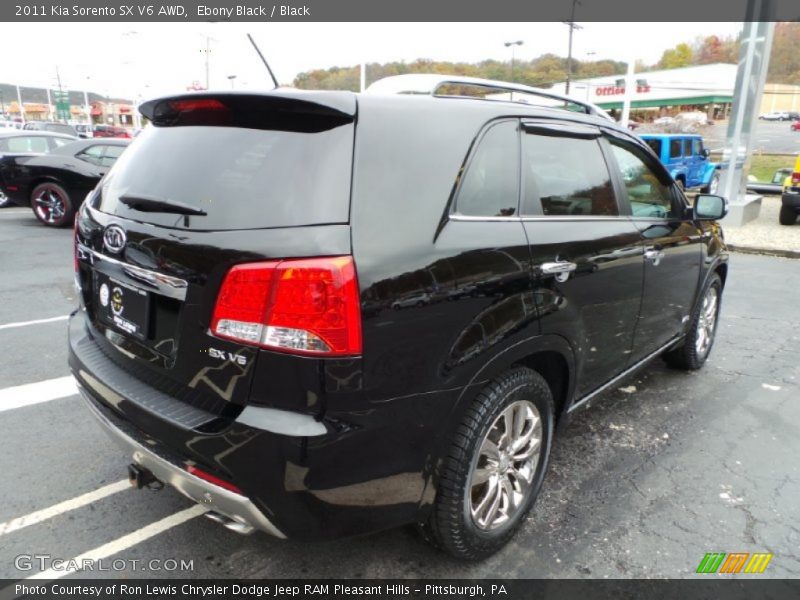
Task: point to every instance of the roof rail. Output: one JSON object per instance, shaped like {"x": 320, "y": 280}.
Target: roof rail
{"x": 429, "y": 84}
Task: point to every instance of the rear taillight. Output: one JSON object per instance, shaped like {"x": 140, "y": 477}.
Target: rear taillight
{"x": 212, "y": 479}
{"x": 302, "y": 306}
{"x": 796, "y": 178}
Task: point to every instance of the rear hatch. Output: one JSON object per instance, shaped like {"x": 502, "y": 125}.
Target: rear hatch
{"x": 214, "y": 181}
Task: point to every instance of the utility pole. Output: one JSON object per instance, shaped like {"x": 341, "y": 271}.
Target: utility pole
{"x": 208, "y": 68}
{"x": 21, "y": 108}
{"x": 572, "y": 27}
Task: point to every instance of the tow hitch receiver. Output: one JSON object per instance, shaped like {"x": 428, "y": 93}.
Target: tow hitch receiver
{"x": 140, "y": 477}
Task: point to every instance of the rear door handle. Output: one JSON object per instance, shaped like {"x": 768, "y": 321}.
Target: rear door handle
{"x": 561, "y": 269}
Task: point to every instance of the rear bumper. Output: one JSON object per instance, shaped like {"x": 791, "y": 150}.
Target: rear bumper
{"x": 355, "y": 472}
{"x": 234, "y": 506}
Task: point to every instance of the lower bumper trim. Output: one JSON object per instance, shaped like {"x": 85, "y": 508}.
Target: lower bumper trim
{"x": 235, "y": 507}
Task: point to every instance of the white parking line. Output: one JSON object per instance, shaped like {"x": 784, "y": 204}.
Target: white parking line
{"x": 62, "y": 507}
{"x": 125, "y": 542}
{"x": 36, "y": 393}
{"x": 36, "y": 322}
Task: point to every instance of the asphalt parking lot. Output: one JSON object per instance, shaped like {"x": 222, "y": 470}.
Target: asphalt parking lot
{"x": 655, "y": 474}
{"x": 771, "y": 137}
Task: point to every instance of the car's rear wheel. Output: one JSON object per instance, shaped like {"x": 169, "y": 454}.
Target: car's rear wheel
{"x": 693, "y": 352}
{"x": 494, "y": 468}
{"x": 787, "y": 216}
{"x": 52, "y": 205}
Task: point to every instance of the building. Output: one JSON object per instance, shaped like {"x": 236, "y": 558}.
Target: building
{"x": 780, "y": 97}
{"x": 706, "y": 88}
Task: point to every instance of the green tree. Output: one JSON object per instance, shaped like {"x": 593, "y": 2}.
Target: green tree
{"x": 677, "y": 57}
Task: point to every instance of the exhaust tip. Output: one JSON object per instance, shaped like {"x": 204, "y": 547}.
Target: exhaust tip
{"x": 239, "y": 527}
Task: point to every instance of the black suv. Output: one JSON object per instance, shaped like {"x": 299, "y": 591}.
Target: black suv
{"x": 322, "y": 314}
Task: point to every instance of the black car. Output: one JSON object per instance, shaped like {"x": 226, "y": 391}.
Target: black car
{"x": 16, "y": 144}
{"x": 55, "y": 184}
{"x": 322, "y": 314}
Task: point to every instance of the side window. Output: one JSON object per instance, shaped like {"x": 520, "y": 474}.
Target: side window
{"x": 675, "y": 148}
{"x": 111, "y": 154}
{"x": 92, "y": 154}
{"x": 697, "y": 147}
{"x": 687, "y": 147}
{"x": 655, "y": 145}
{"x": 27, "y": 144}
{"x": 565, "y": 176}
{"x": 491, "y": 184}
{"x": 647, "y": 195}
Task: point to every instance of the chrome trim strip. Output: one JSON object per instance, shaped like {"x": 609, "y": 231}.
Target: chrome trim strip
{"x": 166, "y": 285}
{"x": 234, "y": 506}
{"x": 624, "y": 374}
{"x": 456, "y": 217}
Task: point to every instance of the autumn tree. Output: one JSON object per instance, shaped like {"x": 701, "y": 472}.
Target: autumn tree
{"x": 677, "y": 57}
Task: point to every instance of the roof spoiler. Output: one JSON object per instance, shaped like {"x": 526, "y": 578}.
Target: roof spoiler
{"x": 431, "y": 84}
{"x": 282, "y": 111}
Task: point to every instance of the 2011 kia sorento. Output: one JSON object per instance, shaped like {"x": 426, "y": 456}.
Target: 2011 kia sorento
{"x": 323, "y": 313}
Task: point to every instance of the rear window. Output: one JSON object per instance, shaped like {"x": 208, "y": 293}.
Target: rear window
{"x": 242, "y": 178}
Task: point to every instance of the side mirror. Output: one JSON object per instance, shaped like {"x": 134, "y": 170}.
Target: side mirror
{"x": 710, "y": 208}
{"x": 706, "y": 152}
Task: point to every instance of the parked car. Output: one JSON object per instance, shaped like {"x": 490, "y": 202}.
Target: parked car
{"x": 15, "y": 144}
{"x": 664, "y": 121}
{"x": 686, "y": 159}
{"x": 110, "y": 131}
{"x": 239, "y": 271}
{"x": 795, "y": 126}
{"x": 84, "y": 130}
{"x": 55, "y": 184}
{"x": 51, "y": 126}
{"x": 790, "y": 196}
{"x": 776, "y": 116}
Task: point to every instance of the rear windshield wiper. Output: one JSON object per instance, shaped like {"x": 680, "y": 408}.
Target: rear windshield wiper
{"x": 150, "y": 204}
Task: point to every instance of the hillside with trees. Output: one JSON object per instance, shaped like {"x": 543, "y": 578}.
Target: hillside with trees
{"x": 548, "y": 69}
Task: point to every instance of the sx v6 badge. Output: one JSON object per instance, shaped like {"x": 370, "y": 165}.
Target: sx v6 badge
{"x": 222, "y": 355}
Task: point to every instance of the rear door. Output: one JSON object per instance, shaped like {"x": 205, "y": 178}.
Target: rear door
{"x": 586, "y": 254}
{"x": 672, "y": 246}
{"x": 263, "y": 177}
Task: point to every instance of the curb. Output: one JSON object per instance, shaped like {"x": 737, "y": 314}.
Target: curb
{"x": 767, "y": 251}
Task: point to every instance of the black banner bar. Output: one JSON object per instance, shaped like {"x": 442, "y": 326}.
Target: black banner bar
{"x": 391, "y": 10}
{"x": 729, "y": 588}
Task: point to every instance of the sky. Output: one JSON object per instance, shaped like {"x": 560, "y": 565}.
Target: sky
{"x": 143, "y": 60}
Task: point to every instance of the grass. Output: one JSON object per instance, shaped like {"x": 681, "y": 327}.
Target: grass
{"x": 763, "y": 166}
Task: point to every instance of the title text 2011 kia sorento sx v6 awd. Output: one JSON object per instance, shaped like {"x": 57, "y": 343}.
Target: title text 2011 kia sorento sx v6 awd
{"x": 322, "y": 313}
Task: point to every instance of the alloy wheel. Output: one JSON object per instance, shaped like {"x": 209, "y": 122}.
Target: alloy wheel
{"x": 501, "y": 478}
{"x": 49, "y": 205}
{"x": 706, "y": 324}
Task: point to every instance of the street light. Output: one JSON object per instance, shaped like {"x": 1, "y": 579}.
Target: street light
{"x": 511, "y": 45}
{"x": 572, "y": 28}
{"x": 231, "y": 78}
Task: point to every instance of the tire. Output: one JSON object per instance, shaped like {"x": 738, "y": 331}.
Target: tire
{"x": 787, "y": 216}
{"x": 52, "y": 205}
{"x": 713, "y": 185}
{"x": 693, "y": 352}
{"x": 455, "y": 522}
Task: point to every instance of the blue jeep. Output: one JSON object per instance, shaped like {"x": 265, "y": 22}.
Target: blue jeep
{"x": 686, "y": 159}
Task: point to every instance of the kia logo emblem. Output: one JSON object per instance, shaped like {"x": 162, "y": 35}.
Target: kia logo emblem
{"x": 114, "y": 238}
